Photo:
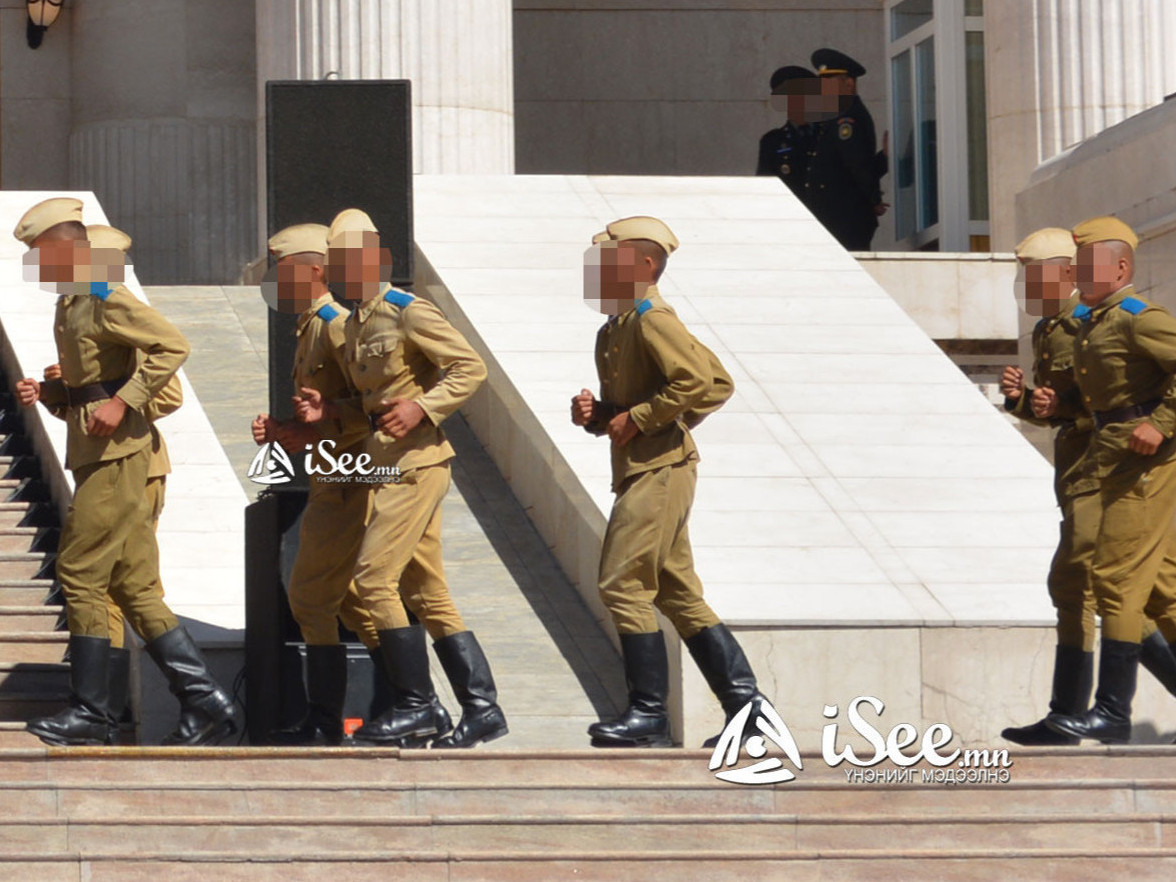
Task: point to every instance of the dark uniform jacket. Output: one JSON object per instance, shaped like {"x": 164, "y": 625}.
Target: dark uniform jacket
{"x": 843, "y": 177}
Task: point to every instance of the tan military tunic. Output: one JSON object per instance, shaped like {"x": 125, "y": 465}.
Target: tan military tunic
{"x": 108, "y": 526}
{"x": 335, "y": 516}
{"x": 1069, "y": 572}
{"x": 400, "y": 346}
{"x": 650, "y": 365}
{"x": 1125, "y": 354}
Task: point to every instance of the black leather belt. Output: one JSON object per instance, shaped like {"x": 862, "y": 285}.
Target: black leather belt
{"x": 76, "y": 397}
{"x": 1123, "y": 414}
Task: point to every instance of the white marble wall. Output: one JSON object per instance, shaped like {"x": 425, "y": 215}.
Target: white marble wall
{"x": 951, "y": 296}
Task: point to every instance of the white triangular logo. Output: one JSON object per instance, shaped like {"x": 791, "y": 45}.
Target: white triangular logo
{"x": 766, "y": 771}
{"x": 271, "y": 465}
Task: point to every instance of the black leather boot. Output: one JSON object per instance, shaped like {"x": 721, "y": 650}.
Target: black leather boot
{"x": 469, "y": 674}
{"x": 1073, "y": 678}
{"x": 207, "y": 713}
{"x": 326, "y": 689}
{"x": 383, "y": 696}
{"x": 122, "y": 722}
{"x": 1156, "y": 655}
{"x": 87, "y": 719}
{"x": 416, "y": 716}
{"x": 1109, "y": 721}
{"x": 726, "y": 670}
{"x": 646, "y": 722}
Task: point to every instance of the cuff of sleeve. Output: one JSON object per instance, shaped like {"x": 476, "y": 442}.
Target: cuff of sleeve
{"x": 134, "y": 394}
{"x": 642, "y": 415}
{"x": 1164, "y": 419}
{"x": 431, "y": 414}
{"x": 53, "y": 393}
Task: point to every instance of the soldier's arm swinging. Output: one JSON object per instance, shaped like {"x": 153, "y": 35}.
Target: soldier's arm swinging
{"x": 682, "y": 364}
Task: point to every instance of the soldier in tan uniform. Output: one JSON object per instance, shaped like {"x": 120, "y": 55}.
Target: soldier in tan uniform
{"x": 1125, "y": 367}
{"x": 321, "y": 590}
{"x": 108, "y": 249}
{"x": 108, "y": 543}
{"x": 411, "y": 370}
{"x": 656, "y": 383}
{"x": 1045, "y": 258}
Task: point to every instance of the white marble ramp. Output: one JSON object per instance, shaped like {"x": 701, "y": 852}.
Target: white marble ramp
{"x": 862, "y": 510}
{"x": 201, "y": 533}
{"x": 856, "y": 476}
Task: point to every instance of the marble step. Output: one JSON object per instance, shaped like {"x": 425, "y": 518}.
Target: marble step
{"x": 33, "y": 646}
{"x": 959, "y": 866}
{"x": 26, "y": 565}
{"x": 14, "y": 619}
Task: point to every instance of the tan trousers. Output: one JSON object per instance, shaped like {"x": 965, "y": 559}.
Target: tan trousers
{"x": 155, "y": 492}
{"x": 399, "y": 563}
{"x": 1069, "y": 573}
{"x": 108, "y": 544}
{"x": 646, "y": 561}
{"x": 321, "y": 587}
{"x": 1133, "y": 572}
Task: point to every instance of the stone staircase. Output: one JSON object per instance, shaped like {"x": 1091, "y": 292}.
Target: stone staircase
{"x": 33, "y": 679}
{"x": 132, "y": 814}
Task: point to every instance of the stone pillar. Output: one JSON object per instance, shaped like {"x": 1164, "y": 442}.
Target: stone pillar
{"x": 1098, "y": 64}
{"x": 163, "y": 132}
{"x": 1061, "y": 71}
{"x": 456, "y": 52}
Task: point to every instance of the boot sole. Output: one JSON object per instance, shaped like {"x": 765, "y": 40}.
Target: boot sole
{"x": 217, "y": 734}
{"x": 58, "y": 741}
{"x": 632, "y": 742}
{"x": 485, "y": 739}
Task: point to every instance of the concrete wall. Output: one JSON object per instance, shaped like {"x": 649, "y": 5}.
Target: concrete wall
{"x": 1129, "y": 171}
{"x": 162, "y": 131}
{"x": 672, "y": 87}
{"x": 34, "y": 102}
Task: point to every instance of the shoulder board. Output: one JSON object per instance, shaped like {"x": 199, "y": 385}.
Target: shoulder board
{"x": 1081, "y": 312}
{"x": 100, "y": 290}
{"x": 642, "y": 306}
{"x": 399, "y": 298}
{"x": 1133, "y": 305}
{"x": 327, "y": 313}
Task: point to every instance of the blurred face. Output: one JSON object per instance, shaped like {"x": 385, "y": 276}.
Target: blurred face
{"x": 53, "y": 261}
{"x": 293, "y": 284}
{"x": 801, "y": 100}
{"x": 1047, "y": 286}
{"x": 1101, "y": 269}
{"x": 107, "y": 265}
{"x": 616, "y": 275}
{"x": 357, "y": 266}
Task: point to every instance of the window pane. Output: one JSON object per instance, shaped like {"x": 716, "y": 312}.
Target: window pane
{"x": 928, "y": 175}
{"x": 908, "y": 15}
{"x": 977, "y": 127}
{"x": 903, "y": 146}
{"x": 973, "y": 7}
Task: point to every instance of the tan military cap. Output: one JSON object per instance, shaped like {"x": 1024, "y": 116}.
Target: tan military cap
{"x": 1046, "y": 244}
{"x": 1104, "y": 229}
{"x": 298, "y": 239}
{"x": 350, "y": 220}
{"x": 640, "y": 227}
{"x": 102, "y": 236}
{"x": 44, "y": 215}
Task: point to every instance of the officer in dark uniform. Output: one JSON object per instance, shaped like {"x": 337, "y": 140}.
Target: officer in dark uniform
{"x": 842, "y": 185}
{"x": 785, "y": 151}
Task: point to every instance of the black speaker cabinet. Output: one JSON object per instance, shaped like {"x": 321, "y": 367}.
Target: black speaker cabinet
{"x": 329, "y": 146}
